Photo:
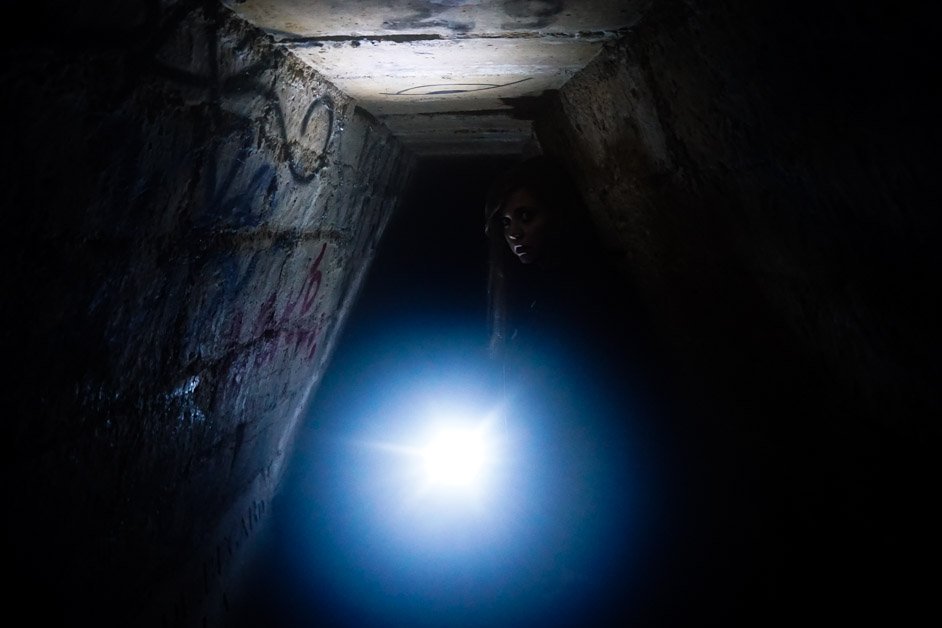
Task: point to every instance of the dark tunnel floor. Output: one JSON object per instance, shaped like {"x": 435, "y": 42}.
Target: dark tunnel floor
{"x": 727, "y": 546}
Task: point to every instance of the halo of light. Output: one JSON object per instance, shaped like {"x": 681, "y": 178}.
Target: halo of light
{"x": 456, "y": 457}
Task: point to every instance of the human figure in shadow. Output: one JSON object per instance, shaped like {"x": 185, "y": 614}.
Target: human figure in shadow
{"x": 621, "y": 475}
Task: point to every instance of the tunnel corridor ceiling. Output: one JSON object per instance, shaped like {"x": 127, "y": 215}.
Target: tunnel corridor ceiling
{"x": 446, "y": 76}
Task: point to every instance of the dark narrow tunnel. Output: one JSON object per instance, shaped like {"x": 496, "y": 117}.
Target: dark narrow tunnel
{"x": 419, "y": 325}
{"x": 346, "y": 547}
{"x": 246, "y": 248}
{"x": 729, "y": 550}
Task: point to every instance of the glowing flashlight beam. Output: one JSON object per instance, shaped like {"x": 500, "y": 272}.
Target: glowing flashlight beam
{"x": 453, "y": 456}
{"x": 456, "y": 457}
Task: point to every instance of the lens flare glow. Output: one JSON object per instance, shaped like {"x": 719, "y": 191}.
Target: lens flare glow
{"x": 444, "y": 454}
{"x": 456, "y": 457}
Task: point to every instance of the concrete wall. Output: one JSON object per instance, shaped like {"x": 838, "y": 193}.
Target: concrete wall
{"x": 763, "y": 174}
{"x": 189, "y": 214}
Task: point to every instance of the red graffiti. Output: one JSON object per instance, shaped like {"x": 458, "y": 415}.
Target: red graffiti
{"x": 266, "y": 316}
{"x": 313, "y": 284}
{"x": 272, "y": 330}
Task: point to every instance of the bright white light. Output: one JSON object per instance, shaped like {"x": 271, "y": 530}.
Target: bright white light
{"x": 456, "y": 457}
{"x": 449, "y": 454}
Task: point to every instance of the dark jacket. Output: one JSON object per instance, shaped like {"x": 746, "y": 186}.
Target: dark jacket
{"x": 590, "y": 390}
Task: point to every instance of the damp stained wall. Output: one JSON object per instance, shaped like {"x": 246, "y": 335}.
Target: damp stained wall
{"x": 763, "y": 175}
{"x": 188, "y": 224}
{"x": 191, "y": 212}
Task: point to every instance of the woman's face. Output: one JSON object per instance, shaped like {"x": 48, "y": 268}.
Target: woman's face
{"x": 527, "y": 226}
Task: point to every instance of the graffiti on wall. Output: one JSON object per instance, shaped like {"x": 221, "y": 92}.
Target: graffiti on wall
{"x": 273, "y": 327}
{"x": 222, "y": 81}
{"x": 241, "y": 104}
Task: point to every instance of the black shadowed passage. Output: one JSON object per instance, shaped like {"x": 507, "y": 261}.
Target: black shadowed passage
{"x": 422, "y": 307}
{"x": 598, "y": 502}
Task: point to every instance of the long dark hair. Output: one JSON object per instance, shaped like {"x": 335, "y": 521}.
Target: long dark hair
{"x": 549, "y": 183}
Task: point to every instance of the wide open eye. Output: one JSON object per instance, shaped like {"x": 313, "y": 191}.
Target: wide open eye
{"x": 505, "y": 222}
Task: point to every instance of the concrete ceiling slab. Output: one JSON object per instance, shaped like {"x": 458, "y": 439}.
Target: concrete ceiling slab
{"x": 483, "y": 132}
{"x": 427, "y": 76}
{"x": 444, "y": 74}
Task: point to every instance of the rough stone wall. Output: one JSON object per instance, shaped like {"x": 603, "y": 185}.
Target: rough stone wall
{"x": 190, "y": 212}
{"x": 763, "y": 173}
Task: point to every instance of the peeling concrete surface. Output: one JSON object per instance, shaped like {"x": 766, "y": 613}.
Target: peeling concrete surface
{"x": 190, "y": 210}
{"x": 445, "y": 57}
{"x": 444, "y": 18}
{"x": 772, "y": 205}
{"x": 197, "y": 209}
